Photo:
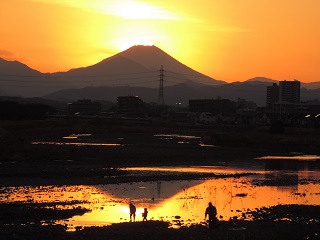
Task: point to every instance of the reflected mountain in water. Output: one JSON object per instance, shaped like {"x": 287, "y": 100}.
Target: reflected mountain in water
{"x": 179, "y": 202}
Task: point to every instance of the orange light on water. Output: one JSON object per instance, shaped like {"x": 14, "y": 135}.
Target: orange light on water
{"x": 173, "y": 201}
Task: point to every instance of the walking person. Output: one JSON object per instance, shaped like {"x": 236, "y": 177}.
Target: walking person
{"x": 132, "y": 212}
{"x": 211, "y": 211}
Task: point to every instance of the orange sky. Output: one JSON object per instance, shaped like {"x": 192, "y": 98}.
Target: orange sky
{"x": 230, "y": 40}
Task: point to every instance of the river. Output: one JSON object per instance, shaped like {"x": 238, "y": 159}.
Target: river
{"x": 272, "y": 181}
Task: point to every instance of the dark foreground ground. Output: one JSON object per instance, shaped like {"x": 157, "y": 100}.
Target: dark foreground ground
{"x": 23, "y": 163}
{"x": 280, "y": 222}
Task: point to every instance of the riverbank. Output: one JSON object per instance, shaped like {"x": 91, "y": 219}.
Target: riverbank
{"x": 43, "y": 152}
{"x": 44, "y": 141}
{"x": 56, "y": 153}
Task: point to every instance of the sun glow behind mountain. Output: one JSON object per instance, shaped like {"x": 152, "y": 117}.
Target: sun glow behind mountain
{"x": 138, "y": 10}
{"x": 125, "y": 44}
{"x": 229, "y": 40}
{"x": 139, "y": 31}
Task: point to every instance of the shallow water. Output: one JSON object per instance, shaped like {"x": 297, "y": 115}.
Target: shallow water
{"x": 272, "y": 182}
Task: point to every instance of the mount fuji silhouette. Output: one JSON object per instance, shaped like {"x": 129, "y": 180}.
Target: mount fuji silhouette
{"x": 135, "y": 71}
{"x": 136, "y": 66}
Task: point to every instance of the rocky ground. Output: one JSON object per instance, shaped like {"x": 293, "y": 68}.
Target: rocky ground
{"x": 23, "y": 163}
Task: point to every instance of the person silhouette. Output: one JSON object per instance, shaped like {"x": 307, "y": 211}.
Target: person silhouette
{"x": 132, "y": 212}
{"x": 145, "y": 214}
{"x": 211, "y": 211}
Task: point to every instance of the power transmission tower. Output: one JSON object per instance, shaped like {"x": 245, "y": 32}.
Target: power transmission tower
{"x": 161, "y": 98}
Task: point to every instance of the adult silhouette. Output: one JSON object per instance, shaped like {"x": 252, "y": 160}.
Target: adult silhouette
{"x": 211, "y": 211}
{"x": 132, "y": 212}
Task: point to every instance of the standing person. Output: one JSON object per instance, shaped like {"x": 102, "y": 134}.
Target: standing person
{"x": 145, "y": 214}
{"x": 211, "y": 211}
{"x": 132, "y": 212}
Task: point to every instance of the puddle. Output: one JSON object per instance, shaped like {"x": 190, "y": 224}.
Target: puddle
{"x": 76, "y": 136}
{"x": 183, "y": 139}
{"x": 219, "y": 170}
{"x": 78, "y": 141}
{"x": 297, "y": 157}
{"x": 176, "y": 136}
{"x": 78, "y": 144}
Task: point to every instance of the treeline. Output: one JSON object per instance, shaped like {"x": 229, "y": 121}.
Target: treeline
{"x": 10, "y": 110}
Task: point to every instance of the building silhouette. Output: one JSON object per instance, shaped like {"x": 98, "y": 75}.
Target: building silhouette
{"x": 272, "y": 95}
{"x": 289, "y": 91}
{"x": 285, "y": 97}
{"x": 130, "y": 106}
{"x": 214, "y": 106}
{"x": 286, "y": 93}
{"x": 84, "y": 107}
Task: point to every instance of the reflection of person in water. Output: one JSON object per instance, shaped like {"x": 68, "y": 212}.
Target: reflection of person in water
{"x": 211, "y": 211}
{"x": 145, "y": 214}
{"x": 132, "y": 212}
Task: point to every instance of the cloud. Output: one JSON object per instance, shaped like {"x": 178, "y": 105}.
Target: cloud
{"x": 127, "y": 9}
{"x": 139, "y": 10}
{"x": 10, "y": 56}
{"x": 106, "y": 51}
{"x": 6, "y": 54}
{"x": 224, "y": 28}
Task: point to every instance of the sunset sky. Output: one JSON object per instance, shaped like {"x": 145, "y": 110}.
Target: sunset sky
{"x": 229, "y": 40}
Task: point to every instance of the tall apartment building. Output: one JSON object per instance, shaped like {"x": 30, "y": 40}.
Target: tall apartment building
{"x": 272, "y": 95}
{"x": 286, "y": 92}
{"x": 289, "y": 91}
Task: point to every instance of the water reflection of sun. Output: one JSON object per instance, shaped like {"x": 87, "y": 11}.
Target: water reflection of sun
{"x": 189, "y": 198}
{"x": 169, "y": 201}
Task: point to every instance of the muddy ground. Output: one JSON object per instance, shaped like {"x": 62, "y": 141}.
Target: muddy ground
{"x": 23, "y": 163}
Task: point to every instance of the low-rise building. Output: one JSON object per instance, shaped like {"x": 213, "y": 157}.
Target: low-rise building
{"x": 130, "y": 106}
{"x": 207, "y": 118}
{"x": 84, "y": 107}
{"x": 180, "y": 118}
{"x": 214, "y": 106}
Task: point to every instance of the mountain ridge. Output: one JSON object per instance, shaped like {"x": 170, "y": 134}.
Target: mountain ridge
{"x": 135, "y": 70}
{"x": 143, "y": 59}
{"x": 16, "y": 67}
{"x": 136, "y": 66}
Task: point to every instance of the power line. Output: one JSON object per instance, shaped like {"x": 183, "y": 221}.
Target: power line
{"x": 65, "y": 80}
{"x": 51, "y": 76}
{"x": 77, "y": 87}
{"x": 66, "y": 75}
{"x": 185, "y": 79}
{"x": 56, "y": 79}
{"x": 26, "y": 86}
{"x": 200, "y": 76}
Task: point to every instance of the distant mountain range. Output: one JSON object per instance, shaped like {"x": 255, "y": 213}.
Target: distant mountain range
{"x": 135, "y": 71}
